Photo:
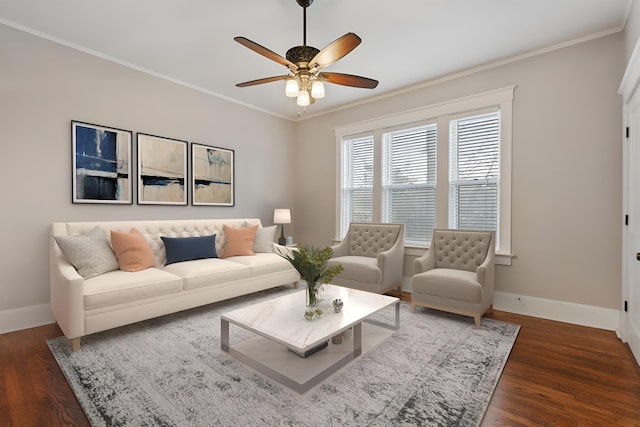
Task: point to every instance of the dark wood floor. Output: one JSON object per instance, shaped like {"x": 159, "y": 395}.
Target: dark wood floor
{"x": 557, "y": 375}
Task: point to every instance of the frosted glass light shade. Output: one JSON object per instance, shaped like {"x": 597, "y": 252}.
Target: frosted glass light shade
{"x": 303, "y": 98}
{"x": 317, "y": 89}
{"x": 291, "y": 89}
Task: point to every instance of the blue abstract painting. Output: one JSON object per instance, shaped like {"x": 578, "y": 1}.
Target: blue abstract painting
{"x": 101, "y": 164}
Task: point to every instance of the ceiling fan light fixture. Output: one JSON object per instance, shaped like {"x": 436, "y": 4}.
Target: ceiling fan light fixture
{"x": 303, "y": 98}
{"x": 317, "y": 89}
{"x": 304, "y": 80}
{"x": 292, "y": 88}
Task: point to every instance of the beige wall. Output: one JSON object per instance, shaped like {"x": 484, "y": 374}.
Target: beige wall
{"x": 566, "y": 159}
{"x": 567, "y": 169}
{"x": 43, "y": 86}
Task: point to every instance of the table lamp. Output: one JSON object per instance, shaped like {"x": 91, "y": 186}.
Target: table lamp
{"x": 282, "y": 216}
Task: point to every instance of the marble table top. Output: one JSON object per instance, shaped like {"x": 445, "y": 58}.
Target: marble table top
{"x": 282, "y": 319}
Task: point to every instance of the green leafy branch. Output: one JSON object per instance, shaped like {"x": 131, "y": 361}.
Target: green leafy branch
{"x": 311, "y": 263}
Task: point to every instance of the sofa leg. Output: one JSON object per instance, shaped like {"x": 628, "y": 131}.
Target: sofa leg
{"x": 413, "y": 307}
{"x": 75, "y": 344}
{"x": 477, "y": 320}
{"x": 295, "y": 285}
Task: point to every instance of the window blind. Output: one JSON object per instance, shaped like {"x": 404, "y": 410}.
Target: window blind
{"x": 409, "y": 181}
{"x": 474, "y": 172}
{"x": 357, "y": 181}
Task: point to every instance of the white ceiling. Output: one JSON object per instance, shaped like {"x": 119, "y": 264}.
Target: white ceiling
{"x": 404, "y": 42}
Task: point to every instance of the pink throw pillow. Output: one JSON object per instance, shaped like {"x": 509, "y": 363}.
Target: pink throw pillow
{"x": 239, "y": 241}
{"x": 132, "y": 250}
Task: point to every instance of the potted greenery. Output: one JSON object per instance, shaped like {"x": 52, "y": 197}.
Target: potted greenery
{"x": 311, "y": 263}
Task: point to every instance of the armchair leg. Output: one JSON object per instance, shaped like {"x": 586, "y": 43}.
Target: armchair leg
{"x": 295, "y": 285}
{"x": 413, "y": 307}
{"x": 75, "y": 344}
{"x": 477, "y": 320}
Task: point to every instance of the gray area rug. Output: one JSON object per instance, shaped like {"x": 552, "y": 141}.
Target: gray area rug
{"x": 437, "y": 370}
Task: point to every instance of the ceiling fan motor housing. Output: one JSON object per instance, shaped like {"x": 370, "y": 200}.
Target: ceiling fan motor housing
{"x": 304, "y": 54}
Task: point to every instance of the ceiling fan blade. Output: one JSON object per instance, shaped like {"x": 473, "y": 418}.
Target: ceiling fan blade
{"x": 265, "y": 52}
{"x": 261, "y": 81}
{"x": 335, "y": 51}
{"x": 349, "y": 80}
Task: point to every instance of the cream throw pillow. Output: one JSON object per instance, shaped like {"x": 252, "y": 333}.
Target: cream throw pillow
{"x": 263, "y": 241}
{"x": 89, "y": 253}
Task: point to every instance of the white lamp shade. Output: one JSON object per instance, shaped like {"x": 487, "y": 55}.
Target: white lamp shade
{"x": 303, "y": 98}
{"x": 282, "y": 216}
{"x": 291, "y": 89}
{"x": 317, "y": 89}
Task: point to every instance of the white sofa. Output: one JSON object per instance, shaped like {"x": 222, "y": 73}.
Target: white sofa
{"x": 85, "y": 306}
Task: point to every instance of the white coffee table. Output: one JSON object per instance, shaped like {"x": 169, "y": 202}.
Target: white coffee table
{"x": 280, "y": 325}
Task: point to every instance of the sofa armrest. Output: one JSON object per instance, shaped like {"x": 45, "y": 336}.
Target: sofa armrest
{"x": 425, "y": 262}
{"x": 67, "y": 293}
{"x": 341, "y": 248}
{"x": 486, "y": 272}
{"x": 391, "y": 262}
{"x": 278, "y": 248}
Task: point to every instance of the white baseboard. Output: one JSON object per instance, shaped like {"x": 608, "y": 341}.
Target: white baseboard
{"x": 577, "y": 314}
{"x": 25, "y": 317}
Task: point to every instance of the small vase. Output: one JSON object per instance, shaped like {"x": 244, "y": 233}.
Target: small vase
{"x": 312, "y": 293}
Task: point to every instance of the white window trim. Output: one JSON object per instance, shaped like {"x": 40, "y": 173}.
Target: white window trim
{"x": 501, "y": 98}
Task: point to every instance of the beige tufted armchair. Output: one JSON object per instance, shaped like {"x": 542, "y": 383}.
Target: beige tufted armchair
{"x": 456, "y": 274}
{"x": 372, "y": 255}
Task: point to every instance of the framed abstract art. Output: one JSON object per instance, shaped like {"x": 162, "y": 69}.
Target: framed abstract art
{"x": 212, "y": 176}
{"x": 162, "y": 170}
{"x": 101, "y": 164}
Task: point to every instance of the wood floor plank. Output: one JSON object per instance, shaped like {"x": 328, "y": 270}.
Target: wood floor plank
{"x": 557, "y": 375}
{"x": 562, "y": 374}
{"x": 36, "y": 392}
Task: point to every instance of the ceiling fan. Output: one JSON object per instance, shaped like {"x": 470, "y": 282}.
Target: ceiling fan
{"x": 305, "y": 80}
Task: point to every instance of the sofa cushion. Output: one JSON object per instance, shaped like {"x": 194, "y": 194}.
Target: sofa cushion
{"x": 89, "y": 253}
{"x": 132, "y": 250}
{"x": 239, "y": 241}
{"x": 358, "y": 268}
{"x": 181, "y": 249}
{"x": 116, "y": 287}
{"x": 447, "y": 283}
{"x": 263, "y": 263}
{"x": 206, "y": 272}
{"x": 263, "y": 241}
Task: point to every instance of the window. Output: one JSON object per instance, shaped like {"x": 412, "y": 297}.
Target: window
{"x": 474, "y": 172}
{"x": 357, "y": 181}
{"x": 409, "y": 181}
{"x": 447, "y": 165}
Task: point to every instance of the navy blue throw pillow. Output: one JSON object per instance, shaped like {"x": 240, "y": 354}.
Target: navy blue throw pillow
{"x": 189, "y": 248}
